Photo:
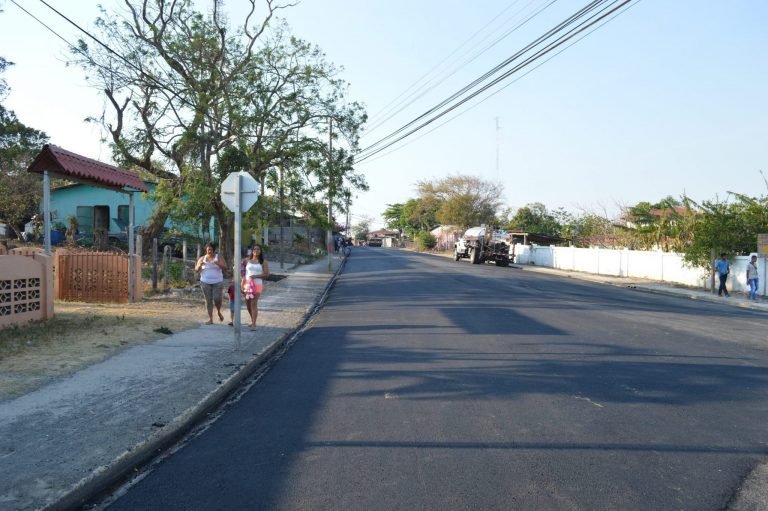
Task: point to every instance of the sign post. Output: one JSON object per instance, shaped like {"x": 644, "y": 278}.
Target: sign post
{"x": 239, "y": 192}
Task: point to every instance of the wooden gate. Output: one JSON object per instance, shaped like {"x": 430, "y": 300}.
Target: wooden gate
{"x": 95, "y": 276}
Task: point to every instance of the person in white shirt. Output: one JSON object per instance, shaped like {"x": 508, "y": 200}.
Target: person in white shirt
{"x": 211, "y": 268}
{"x": 752, "y": 278}
{"x": 256, "y": 270}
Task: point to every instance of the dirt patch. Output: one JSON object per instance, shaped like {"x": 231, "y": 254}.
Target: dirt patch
{"x": 85, "y": 333}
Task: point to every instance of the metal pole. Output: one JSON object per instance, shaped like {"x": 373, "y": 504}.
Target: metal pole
{"x": 154, "y": 264}
{"x": 282, "y": 219}
{"x": 329, "y": 235}
{"x": 236, "y": 269}
{"x": 47, "y": 212}
{"x": 131, "y": 252}
{"x": 498, "y": 176}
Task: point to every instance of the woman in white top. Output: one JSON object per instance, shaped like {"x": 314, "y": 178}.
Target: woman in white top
{"x": 256, "y": 270}
{"x": 211, "y": 267}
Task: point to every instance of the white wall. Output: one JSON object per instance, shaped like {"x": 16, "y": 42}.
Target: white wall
{"x": 661, "y": 266}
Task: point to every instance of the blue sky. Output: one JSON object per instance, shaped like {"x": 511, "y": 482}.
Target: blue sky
{"x": 671, "y": 97}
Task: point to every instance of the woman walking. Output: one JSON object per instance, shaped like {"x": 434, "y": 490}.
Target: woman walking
{"x": 211, "y": 268}
{"x": 752, "y": 278}
{"x": 256, "y": 270}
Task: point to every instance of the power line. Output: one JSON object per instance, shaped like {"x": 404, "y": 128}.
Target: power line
{"x": 579, "y": 28}
{"x": 43, "y": 24}
{"x": 489, "y": 96}
{"x": 430, "y": 84}
{"x": 493, "y": 71}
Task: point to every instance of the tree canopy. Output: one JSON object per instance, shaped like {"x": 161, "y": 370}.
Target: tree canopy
{"x": 20, "y": 191}
{"x": 192, "y": 98}
{"x": 462, "y": 200}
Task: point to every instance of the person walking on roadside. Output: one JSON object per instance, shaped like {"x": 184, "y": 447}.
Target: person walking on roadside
{"x": 723, "y": 267}
{"x": 211, "y": 268}
{"x": 752, "y": 279}
{"x": 256, "y": 270}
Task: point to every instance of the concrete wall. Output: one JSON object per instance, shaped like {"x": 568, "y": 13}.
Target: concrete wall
{"x": 661, "y": 266}
{"x": 26, "y": 287}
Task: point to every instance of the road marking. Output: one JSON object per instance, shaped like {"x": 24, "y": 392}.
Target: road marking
{"x": 589, "y": 401}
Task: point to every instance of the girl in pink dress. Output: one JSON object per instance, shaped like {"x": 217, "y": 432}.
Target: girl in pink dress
{"x": 256, "y": 270}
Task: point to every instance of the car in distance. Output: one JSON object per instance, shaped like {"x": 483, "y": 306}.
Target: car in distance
{"x": 374, "y": 242}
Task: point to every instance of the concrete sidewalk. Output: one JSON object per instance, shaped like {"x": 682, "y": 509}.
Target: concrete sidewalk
{"x": 66, "y": 441}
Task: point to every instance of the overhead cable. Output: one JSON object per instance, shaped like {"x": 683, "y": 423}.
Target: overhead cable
{"x": 387, "y": 113}
{"x": 435, "y": 112}
{"x": 497, "y": 91}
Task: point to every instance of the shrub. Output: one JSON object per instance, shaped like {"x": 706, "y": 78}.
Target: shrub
{"x": 425, "y": 241}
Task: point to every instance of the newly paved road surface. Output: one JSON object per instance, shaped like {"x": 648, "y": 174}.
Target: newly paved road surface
{"x": 432, "y": 384}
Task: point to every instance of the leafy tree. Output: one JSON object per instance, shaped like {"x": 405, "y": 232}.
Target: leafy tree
{"x": 195, "y": 99}
{"x": 362, "y": 228}
{"x": 394, "y": 217}
{"x": 535, "y": 218}
{"x": 20, "y": 191}
{"x": 462, "y": 200}
{"x": 591, "y": 229}
{"x": 661, "y": 225}
{"x": 420, "y": 215}
{"x": 726, "y": 227}
{"x": 425, "y": 241}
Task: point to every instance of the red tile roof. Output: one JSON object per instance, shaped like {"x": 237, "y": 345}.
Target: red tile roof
{"x": 69, "y": 165}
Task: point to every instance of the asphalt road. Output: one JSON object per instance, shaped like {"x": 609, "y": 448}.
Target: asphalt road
{"x": 426, "y": 383}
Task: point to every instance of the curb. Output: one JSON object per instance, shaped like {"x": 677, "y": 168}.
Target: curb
{"x": 105, "y": 478}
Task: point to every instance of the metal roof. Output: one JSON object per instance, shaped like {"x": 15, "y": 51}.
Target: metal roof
{"x": 72, "y": 166}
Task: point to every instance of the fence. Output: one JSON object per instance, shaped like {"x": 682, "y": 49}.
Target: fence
{"x": 657, "y": 265}
{"x": 26, "y": 287}
{"x": 95, "y": 276}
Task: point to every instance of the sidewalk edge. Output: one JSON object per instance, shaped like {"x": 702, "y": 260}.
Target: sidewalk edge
{"x": 105, "y": 477}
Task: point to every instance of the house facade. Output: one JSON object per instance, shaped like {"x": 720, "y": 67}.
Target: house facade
{"x": 446, "y": 236}
{"x": 104, "y": 209}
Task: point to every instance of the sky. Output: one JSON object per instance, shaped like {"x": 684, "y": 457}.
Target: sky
{"x": 669, "y": 98}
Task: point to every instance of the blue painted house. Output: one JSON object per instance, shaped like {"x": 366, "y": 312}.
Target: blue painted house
{"x": 101, "y": 208}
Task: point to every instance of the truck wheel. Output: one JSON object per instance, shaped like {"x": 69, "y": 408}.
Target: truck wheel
{"x": 502, "y": 262}
{"x": 456, "y": 255}
{"x": 474, "y": 256}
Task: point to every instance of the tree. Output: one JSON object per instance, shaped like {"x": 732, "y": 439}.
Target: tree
{"x": 726, "y": 227}
{"x": 420, "y": 215}
{"x": 394, "y": 217}
{"x": 461, "y": 200}
{"x": 425, "y": 241}
{"x": 663, "y": 225}
{"x": 193, "y": 99}
{"x": 534, "y": 218}
{"x": 20, "y": 191}
{"x": 362, "y": 228}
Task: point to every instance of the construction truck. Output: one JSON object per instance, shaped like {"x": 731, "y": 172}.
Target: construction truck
{"x": 482, "y": 244}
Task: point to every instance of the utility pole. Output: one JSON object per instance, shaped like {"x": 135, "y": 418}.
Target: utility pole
{"x": 329, "y": 236}
{"x": 498, "y": 128}
{"x": 282, "y": 218}
{"x": 349, "y": 196}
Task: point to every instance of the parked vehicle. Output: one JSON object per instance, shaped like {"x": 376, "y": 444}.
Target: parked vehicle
{"x": 374, "y": 242}
{"x": 480, "y": 244}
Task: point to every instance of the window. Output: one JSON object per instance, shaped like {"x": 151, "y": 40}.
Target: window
{"x": 85, "y": 219}
{"x": 123, "y": 218}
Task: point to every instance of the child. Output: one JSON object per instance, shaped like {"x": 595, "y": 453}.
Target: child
{"x": 231, "y": 294}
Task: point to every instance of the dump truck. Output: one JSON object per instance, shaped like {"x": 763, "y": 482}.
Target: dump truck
{"x": 482, "y": 244}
